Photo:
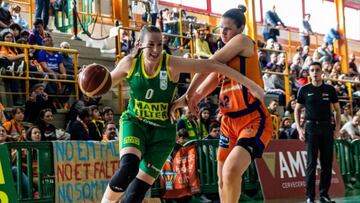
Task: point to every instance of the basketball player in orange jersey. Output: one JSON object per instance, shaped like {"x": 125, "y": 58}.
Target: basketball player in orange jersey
{"x": 246, "y": 125}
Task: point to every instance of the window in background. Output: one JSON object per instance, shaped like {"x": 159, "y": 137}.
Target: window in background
{"x": 352, "y": 26}
{"x": 321, "y": 22}
{"x": 290, "y": 12}
{"x": 197, "y": 4}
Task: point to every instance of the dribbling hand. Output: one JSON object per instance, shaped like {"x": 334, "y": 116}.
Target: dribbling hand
{"x": 180, "y": 102}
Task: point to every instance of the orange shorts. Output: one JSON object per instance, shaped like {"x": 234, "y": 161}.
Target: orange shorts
{"x": 252, "y": 131}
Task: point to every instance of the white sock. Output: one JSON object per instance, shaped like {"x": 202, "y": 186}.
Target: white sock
{"x": 104, "y": 200}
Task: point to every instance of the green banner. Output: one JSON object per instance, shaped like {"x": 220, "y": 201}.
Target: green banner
{"x": 7, "y": 188}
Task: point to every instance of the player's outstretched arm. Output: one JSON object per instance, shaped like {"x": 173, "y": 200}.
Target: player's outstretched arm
{"x": 121, "y": 70}
{"x": 179, "y": 65}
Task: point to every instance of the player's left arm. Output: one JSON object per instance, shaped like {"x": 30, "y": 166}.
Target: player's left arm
{"x": 179, "y": 65}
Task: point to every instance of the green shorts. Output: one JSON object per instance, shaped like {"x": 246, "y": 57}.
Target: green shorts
{"x": 155, "y": 143}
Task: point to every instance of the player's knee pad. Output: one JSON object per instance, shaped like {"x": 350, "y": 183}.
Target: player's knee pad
{"x": 136, "y": 191}
{"x": 129, "y": 167}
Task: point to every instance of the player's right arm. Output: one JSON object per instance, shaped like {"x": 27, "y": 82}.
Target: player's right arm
{"x": 121, "y": 70}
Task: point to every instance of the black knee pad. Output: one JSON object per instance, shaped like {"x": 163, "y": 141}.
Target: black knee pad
{"x": 129, "y": 168}
{"x": 136, "y": 191}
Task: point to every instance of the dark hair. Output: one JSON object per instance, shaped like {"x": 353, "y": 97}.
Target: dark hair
{"x": 93, "y": 107}
{"x": 213, "y": 125}
{"x": 43, "y": 111}
{"x": 38, "y": 21}
{"x": 29, "y": 131}
{"x": 14, "y": 26}
{"x": 109, "y": 123}
{"x": 24, "y": 33}
{"x": 315, "y": 63}
{"x": 237, "y": 14}
{"x": 14, "y": 110}
{"x": 83, "y": 113}
{"x": 107, "y": 109}
{"x": 144, "y": 30}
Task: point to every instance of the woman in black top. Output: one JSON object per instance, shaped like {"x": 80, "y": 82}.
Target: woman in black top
{"x": 44, "y": 121}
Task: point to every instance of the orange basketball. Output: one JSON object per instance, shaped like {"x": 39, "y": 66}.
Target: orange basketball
{"x": 94, "y": 80}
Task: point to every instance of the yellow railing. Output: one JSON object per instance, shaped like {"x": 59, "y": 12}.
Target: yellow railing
{"x": 349, "y": 89}
{"x": 30, "y": 7}
{"x": 27, "y": 77}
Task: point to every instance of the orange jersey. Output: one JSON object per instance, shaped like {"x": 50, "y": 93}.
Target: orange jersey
{"x": 235, "y": 97}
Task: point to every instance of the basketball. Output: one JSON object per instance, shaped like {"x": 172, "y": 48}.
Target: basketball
{"x": 94, "y": 80}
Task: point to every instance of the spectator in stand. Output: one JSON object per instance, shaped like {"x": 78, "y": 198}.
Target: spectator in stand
{"x": 351, "y": 129}
{"x": 42, "y": 11}
{"x": 323, "y": 54}
{"x": 277, "y": 46}
{"x": 38, "y": 33}
{"x": 203, "y": 122}
{"x": 353, "y": 70}
{"x": 38, "y": 100}
{"x": 52, "y": 63}
{"x": 125, "y": 42}
{"x": 75, "y": 108}
{"x": 303, "y": 77}
{"x": 326, "y": 67}
{"x": 285, "y": 130}
{"x": 270, "y": 85}
{"x": 5, "y": 18}
{"x": 16, "y": 17}
{"x": 281, "y": 61}
{"x": 108, "y": 114}
{"x": 272, "y": 23}
{"x": 214, "y": 131}
{"x": 290, "y": 107}
{"x": 202, "y": 46}
{"x": 24, "y": 34}
{"x": 296, "y": 63}
{"x": 44, "y": 122}
{"x": 305, "y": 31}
{"x": 273, "y": 60}
{"x": 12, "y": 64}
{"x": 78, "y": 129}
{"x": 69, "y": 88}
{"x": 96, "y": 125}
{"x": 307, "y": 63}
{"x": 16, "y": 30}
{"x": 345, "y": 116}
{"x": 3, "y": 135}
{"x": 187, "y": 125}
{"x": 262, "y": 59}
{"x": 165, "y": 41}
{"x": 305, "y": 52}
{"x": 273, "y": 107}
{"x": 270, "y": 43}
{"x": 208, "y": 103}
{"x": 15, "y": 128}
{"x": 153, "y": 6}
{"x": 331, "y": 35}
{"x": 110, "y": 132}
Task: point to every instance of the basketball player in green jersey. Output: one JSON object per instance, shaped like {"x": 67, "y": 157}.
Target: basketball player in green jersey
{"x": 147, "y": 134}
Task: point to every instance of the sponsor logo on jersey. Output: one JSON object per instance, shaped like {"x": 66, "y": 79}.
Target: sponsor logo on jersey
{"x": 151, "y": 110}
{"x": 224, "y": 141}
{"x": 163, "y": 80}
{"x": 132, "y": 140}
